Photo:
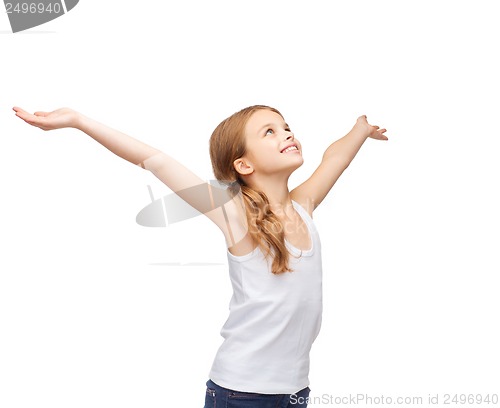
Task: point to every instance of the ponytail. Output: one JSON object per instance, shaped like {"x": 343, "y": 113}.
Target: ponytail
{"x": 266, "y": 229}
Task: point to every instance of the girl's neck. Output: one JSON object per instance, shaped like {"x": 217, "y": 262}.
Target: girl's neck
{"x": 277, "y": 193}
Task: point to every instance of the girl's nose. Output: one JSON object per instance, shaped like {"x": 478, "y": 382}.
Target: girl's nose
{"x": 289, "y": 135}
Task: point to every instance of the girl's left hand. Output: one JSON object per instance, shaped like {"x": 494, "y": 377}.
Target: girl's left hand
{"x": 371, "y": 131}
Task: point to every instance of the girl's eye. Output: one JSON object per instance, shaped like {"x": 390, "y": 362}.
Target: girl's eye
{"x": 269, "y": 130}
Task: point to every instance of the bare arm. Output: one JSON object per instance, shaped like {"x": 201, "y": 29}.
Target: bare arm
{"x": 115, "y": 141}
{"x": 336, "y": 159}
{"x": 176, "y": 176}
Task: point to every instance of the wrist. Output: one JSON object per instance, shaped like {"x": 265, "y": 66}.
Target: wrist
{"x": 79, "y": 121}
{"x": 360, "y": 131}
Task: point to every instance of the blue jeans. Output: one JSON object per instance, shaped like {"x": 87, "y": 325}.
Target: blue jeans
{"x": 219, "y": 397}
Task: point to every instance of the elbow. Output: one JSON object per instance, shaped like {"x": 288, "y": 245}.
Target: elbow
{"x": 154, "y": 162}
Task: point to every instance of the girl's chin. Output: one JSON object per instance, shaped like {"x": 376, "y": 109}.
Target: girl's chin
{"x": 297, "y": 163}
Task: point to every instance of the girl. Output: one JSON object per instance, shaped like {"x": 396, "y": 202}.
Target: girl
{"x": 274, "y": 252}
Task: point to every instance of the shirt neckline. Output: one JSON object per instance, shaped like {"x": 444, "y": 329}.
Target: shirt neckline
{"x": 295, "y": 251}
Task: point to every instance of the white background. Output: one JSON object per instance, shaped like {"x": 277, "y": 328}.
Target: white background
{"x": 96, "y": 311}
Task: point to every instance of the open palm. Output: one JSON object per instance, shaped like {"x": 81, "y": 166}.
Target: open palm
{"x": 60, "y": 118}
{"x": 372, "y": 131}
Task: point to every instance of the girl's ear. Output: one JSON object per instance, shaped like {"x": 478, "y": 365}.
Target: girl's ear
{"x": 243, "y": 167}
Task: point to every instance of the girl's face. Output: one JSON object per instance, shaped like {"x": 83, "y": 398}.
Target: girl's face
{"x": 270, "y": 145}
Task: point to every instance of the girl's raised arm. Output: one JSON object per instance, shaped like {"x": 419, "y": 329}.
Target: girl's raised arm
{"x": 229, "y": 218}
{"x": 335, "y": 160}
{"x": 119, "y": 143}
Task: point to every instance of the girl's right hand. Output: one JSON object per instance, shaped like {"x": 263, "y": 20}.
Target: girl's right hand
{"x": 60, "y": 118}
{"x": 371, "y": 131}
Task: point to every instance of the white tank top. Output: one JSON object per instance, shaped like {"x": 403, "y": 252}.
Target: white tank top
{"x": 273, "y": 321}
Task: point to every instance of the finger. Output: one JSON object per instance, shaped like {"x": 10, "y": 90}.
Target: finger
{"x": 39, "y": 113}
{"x": 29, "y": 118}
{"x": 17, "y": 109}
{"x": 23, "y": 114}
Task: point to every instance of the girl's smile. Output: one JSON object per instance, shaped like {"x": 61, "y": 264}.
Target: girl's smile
{"x": 291, "y": 148}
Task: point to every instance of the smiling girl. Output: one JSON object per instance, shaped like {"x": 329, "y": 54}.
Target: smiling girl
{"x": 273, "y": 247}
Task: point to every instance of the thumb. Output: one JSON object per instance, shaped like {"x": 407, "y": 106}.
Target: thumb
{"x": 39, "y": 113}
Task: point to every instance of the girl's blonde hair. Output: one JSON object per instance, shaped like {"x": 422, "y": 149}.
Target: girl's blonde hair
{"x": 227, "y": 144}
